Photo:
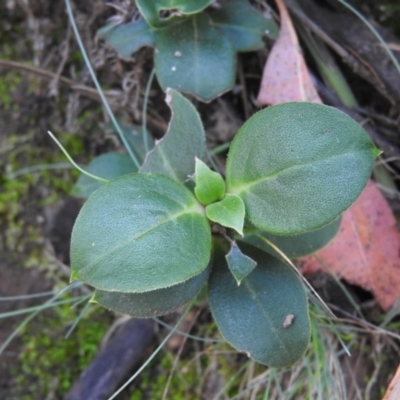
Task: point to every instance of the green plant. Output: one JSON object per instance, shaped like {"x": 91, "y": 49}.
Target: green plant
{"x": 195, "y": 49}
{"x": 144, "y": 242}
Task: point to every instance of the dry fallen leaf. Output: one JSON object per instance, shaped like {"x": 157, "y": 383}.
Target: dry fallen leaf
{"x": 366, "y": 251}
{"x": 286, "y": 77}
{"x": 393, "y": 390}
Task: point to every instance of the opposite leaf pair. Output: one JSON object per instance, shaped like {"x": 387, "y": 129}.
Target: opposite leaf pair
{"x": 223, "y": 208}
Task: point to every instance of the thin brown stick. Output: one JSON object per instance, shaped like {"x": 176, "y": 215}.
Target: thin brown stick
{"x": 86, "y": 90}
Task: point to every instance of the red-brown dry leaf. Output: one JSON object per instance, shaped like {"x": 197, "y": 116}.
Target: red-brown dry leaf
{"x": 366, "y": 250}
{"x": 286, "y": 77}
{"x": 393, "y": 390}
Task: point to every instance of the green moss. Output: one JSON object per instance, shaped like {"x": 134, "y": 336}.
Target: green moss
{"x": 49, "y": 361}
{"x": 8, "y": 84}
{"x": 182, "y": 386}
{"x": 21, "y": 187}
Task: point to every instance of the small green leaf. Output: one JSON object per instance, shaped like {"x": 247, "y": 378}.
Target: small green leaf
{"x": 139, "y": 233}
{"x": 194, "y": 57}
{"x": 151, "y": 10}
{"x": 239, "y": 264}
{"x": 267, "y": 315}
{"x": 174, "y": 155}
{"x": 128, "y": 38}
{"x": 244, "y": 25}
{"x": 298, "y": 166}
{"x": 210, "y": 185}
{"x": 228, "y": 212}
{"x": 154, "y": 303}
{"x": 293, "y": 246}
{"x": 107, "y": 166}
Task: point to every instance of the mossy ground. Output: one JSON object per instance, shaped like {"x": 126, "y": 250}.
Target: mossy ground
{"x": 35, "y": 175}
{"x": 50, "y": 362}
{"x": 47, "y": 362}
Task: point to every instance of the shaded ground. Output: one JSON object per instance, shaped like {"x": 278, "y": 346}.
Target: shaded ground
{"x": 34, "y": 233}
{"x": 15, "y": 280}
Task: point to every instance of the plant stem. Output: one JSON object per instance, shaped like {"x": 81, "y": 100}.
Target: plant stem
{"x": 74, "y": 163}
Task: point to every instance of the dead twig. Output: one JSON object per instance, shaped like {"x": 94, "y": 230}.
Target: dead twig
{"x": 85, "y": 90}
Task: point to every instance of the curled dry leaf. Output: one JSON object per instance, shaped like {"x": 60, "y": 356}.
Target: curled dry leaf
{"x": 366, "y": 250}
{"x": 286, "y": 77}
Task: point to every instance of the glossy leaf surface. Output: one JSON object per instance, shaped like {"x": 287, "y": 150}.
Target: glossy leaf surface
{"x": 210, "y": 185}
{"x": 239, "y": 264}
{"x": 228, "y": 212}
{"x": 195, "y": 58}
{"x": 108, "y": 166}
{"x": 244, "y": 25}
{"x": 154, "y": 303}
{"x": 151, "y": 9}
{"x": 253, "y": 317}
{"x": 174, "y": 155}
{"x": 293, "y": 246}
{"x": 138, "y": 233}
{"x": 128, "y": 38}
{"x": 298, "y": 166}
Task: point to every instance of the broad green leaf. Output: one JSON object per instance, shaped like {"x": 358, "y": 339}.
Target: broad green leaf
{"x": 293, "y": 246}
{"x": 134, "y": 136}
{"x": 154, "y": 303}
{"x": 174, "y": 155}
{"x": 228, "y": 212}
{"x": 239, "y": 264}
{"x": 128, "y": 38}
{"x": 107, "y": 166}
{"x": 210, "y": 185}
{"x": 244, "y": 25}
{"x": 298, "y": 166}
{"x": 194, "y": 57}
{"x": 267, "y": 315}
{"x": 138, "y": 233}
{"x": 151, "y": 10}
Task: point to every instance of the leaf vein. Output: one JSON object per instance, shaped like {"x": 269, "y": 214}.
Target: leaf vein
{"x": 245, "y": 187}
{"x": 138, "y": 236}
